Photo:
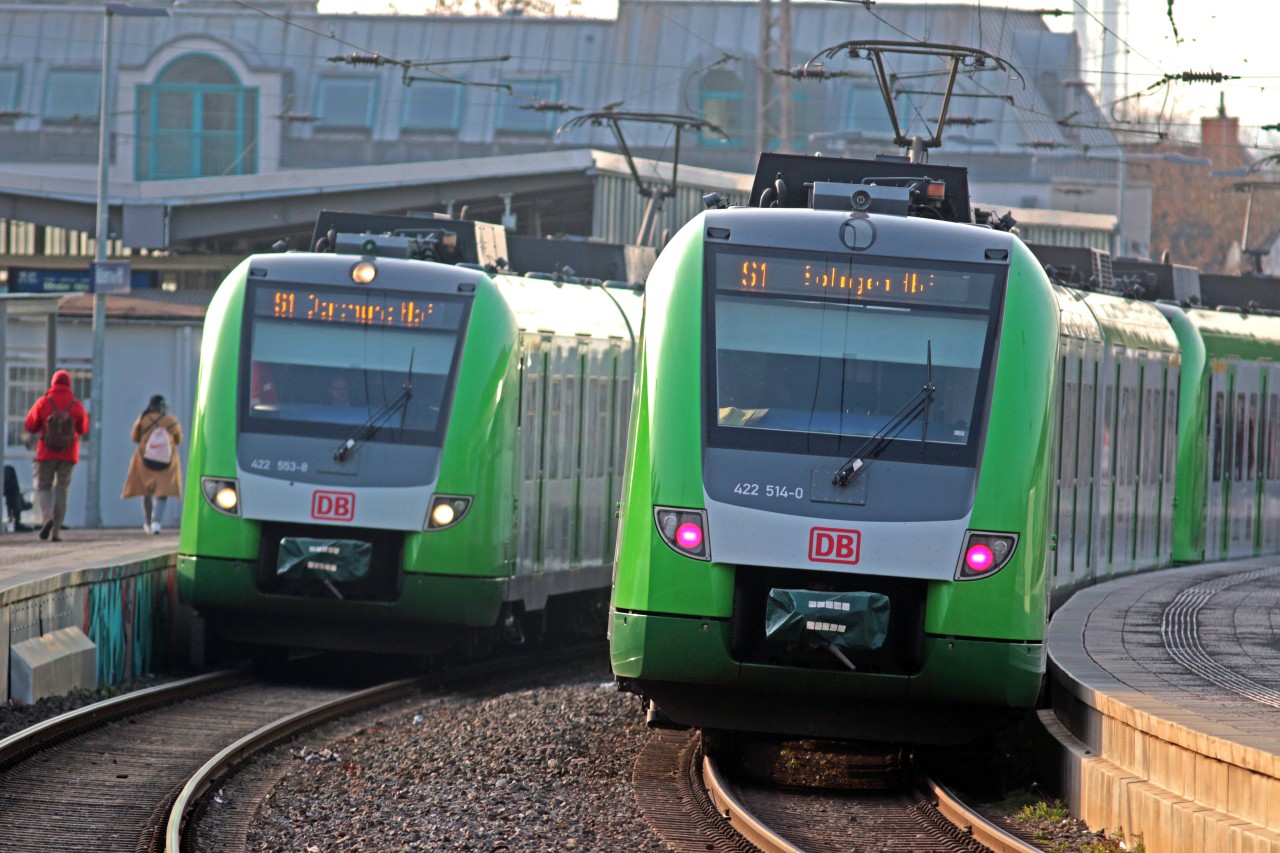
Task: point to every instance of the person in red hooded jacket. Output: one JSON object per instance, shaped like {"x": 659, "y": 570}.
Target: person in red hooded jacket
{"x": 59, "y": 420}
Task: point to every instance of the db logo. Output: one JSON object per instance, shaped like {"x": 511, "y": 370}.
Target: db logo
{"x": 832, "y": 545}
{"x": 333, "y": 506}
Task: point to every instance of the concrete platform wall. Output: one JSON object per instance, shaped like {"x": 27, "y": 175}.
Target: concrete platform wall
{"x": 130, "y": 612}
{"x": 1147, "y": 770}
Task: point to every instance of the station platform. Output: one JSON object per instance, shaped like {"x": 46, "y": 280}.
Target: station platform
{"x": 109, "y": 595}
{"x": 25, "y": 558}
{"x": 1166, "y": 706}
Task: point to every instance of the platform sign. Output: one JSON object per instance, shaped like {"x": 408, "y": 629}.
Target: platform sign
{"x": 110, "y": 276}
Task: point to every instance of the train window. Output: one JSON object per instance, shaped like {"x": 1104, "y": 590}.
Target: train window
{"x": 1215, "y": 426}
{"x": 324, "y": 362}
{"x": 1239, "y": 433}
{"x": 1253, "y": 435}
{"x": 811, "y": 353}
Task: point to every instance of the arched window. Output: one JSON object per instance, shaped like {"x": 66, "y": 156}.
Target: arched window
{"x": 195, "y": 121}
{"x": 720, "y": 102}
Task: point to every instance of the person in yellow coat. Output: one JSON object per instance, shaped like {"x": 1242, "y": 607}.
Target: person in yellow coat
{"x": 155, "y": 472}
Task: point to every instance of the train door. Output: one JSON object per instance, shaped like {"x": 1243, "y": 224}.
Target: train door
{"x": 594, "y": 511}
{"x": 1106, "y": 463}
{"x": 1259, "y": 468}
{"x": 1269, "y": 462}
{"x": 560, "y": 486}
{"x": 1126, "y": 469}
{"x": 533, "y": 389}
{"x": 621, "y": 393}
{"x": 1086, "y": 475}
{"x": 1169, "y": 459}
{"x": 1147, "y": 447}
{"x": 1064, "y": 463}
{"x": 1244, "y": 491}
{"x": 1219, "y": 462}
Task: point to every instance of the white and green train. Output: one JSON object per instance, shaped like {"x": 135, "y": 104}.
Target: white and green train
{"x": 874, "y": 445}
{"x": 394, "y": 441}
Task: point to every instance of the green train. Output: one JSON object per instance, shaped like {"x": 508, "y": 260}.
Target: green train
{"x": 874, "y": 445}
{"x": 393, "y": 441}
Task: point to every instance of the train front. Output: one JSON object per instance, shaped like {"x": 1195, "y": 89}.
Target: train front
{"x": 333, "y": 466}
{"x": 834, "y": 512}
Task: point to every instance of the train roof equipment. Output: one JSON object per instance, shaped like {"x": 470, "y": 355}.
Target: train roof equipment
{"x": 1158, "y": 280}
{"x": 481, "y": 245}
{"x": 1078, "y": 267}
{"x": 884, "y": 185}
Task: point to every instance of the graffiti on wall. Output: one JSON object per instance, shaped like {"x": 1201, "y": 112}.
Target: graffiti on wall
{"x": 129, "y": 619}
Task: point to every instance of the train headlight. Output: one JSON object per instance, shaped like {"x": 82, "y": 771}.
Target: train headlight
{"x": 984, "y": 554}
{"x": 684, "y": 531}
{"x": 222, "y": 494}
{"x": 447, "y": 510}
{"x": 365, "y": 272}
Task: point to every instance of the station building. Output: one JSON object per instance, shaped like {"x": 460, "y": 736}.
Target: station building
{"x": 230, "y": 125}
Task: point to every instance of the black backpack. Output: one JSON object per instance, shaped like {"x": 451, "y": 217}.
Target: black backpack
{"x": 59, "y": 428}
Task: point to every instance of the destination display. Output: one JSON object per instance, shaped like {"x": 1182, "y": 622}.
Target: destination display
{"x": 844, "y": 277}
{"x": 360, "y": 308}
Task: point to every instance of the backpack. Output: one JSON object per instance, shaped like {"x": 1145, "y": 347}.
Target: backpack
{"x": 157, "y": 452}
{"x": 59, "y": 428}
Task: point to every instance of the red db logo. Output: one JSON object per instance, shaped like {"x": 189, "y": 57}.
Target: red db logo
{"x": 333, "y": 506}
{"x": 832, "y": 545}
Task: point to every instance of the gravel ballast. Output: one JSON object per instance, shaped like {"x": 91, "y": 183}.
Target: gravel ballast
{"x": 545, "y": 768}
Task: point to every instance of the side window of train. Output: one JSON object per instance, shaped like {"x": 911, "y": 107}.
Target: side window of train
{"x": 1239, "y": 448}
{"x": 1253, "y": 435}
{"x": 1215, "y": 428}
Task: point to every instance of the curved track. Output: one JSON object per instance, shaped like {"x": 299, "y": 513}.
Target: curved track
{"x": 105, "y": 778}
{"x": 687, "y": 801}
{"x": 140, "y": 772}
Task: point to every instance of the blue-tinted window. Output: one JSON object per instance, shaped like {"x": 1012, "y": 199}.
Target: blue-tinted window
{"x": 432, "y": 106}
{"x": 9, "y": 79}
{"x": 196, "y": 121}
{"x": 720, "y": 102}
{"x": 865, "y": 111}
{"x": 525, "y": 93}
{"x": 346, "y": 103}
{"x": 71, "y": 95}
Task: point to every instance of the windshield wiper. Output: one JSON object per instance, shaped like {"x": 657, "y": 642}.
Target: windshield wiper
{"x": 875, "y": 445}
{"x": 370, "y": 427}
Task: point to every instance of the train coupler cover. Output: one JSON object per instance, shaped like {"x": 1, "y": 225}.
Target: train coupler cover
{"x": 328, "y": 560}
{"x": 838, "y": 621}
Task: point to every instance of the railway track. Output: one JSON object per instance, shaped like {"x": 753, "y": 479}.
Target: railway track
{"x": 145, "y": 771}
{"x": 687, "y": 801}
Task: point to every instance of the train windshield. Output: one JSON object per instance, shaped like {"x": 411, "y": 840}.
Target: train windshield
{"x": 816, "y": 353}
{"x": 324, "y": 362}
